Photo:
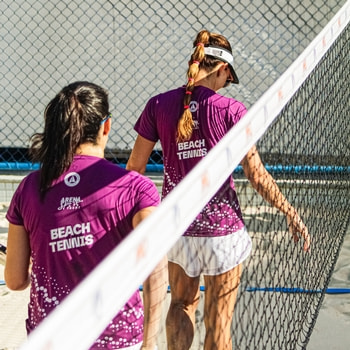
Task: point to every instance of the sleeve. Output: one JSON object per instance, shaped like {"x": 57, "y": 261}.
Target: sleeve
{"x": 146, "y": 125}
{"x": 146, "y": 192}
{"x": 13, "y": 214}
{"x": 237, "y": 110}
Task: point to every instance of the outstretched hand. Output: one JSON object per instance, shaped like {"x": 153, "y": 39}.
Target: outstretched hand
{"x": 297, "y": 228}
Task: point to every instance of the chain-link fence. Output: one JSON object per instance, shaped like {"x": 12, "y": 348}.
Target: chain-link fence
{"x": 136, "y": 49}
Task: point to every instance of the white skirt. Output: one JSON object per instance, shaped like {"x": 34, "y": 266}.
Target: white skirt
{"x": 211, "y": 255}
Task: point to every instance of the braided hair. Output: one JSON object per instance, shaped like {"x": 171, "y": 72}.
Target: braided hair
{"x": 198, "y": 61}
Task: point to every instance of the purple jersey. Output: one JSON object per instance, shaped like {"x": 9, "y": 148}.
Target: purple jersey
{"x": 84, "y": 215}
{"x": 213, "y": 116}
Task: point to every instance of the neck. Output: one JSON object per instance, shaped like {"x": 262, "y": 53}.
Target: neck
{"x": 88, "y": 149}
{"x": 207, "y": 80}
{"x": 204, "y": 79}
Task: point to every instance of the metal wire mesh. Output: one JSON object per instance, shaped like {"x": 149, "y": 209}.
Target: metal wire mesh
{"x": 136, "y": 49}
{"x": 312, "y": 129}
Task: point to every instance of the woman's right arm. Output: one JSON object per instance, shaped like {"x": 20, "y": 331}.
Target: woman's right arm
{"x": 17, "y": 274}
{"x": 266, "y": 186}
{"x": 140, "y": 154}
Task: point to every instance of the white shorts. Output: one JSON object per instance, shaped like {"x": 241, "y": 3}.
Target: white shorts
{"x": 211, "y": 255}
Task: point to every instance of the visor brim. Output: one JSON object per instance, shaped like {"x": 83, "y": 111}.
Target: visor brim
{"x": 234, "y": 75}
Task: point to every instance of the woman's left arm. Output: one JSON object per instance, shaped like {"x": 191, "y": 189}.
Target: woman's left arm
{"x": 266, "y": 186}
{"x": 17, "y": 265}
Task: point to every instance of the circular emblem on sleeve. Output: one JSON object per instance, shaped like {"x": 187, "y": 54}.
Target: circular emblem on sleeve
{"x": 193, "y": 106}
{"x": 72, "y": 179}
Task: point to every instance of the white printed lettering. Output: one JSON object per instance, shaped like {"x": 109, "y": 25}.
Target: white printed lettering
{"x": 53, "y": 234}
{"x": 70, "y": 236}
{"x": 191, "y": 149}
{"x": 69, "y": 231}
{"x": 60, "y": 245}
{"x": 70, "y": 243}
{"x": 53, "y": 246}
{"x": 186, "y": 145}
{"x": 65, "y": 231}
{"x": 89, "y": 239}
{"x": 201, "y": 143}
{"x": 195, "y": 153}
{"x": 77, "y": 229}
{"x": 85, "y": 227}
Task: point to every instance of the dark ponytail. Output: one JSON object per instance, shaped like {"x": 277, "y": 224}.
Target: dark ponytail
{"x": 72, "y": 117}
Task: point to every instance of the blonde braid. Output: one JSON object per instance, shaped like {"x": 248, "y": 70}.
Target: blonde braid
{"x": 185, "y": 123}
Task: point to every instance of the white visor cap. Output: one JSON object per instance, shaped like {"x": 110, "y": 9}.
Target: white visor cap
{"x": 223, "y": 55}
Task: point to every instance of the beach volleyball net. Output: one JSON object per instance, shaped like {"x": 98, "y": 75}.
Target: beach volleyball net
{"x": 301, "y": 128}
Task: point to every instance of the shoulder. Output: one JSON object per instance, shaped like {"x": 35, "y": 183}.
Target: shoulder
{"x": 168, "y": 95}
{"x": 139, "y": 179}
{"x": 237, "y": 104}
{"x": 25, "y": 194}
{"x": 234, "y": 106}
{"x": 233, "y": 109}
{"x": 217, "y": 100}
{"x": 30, "y": 182}
{"x": 143, "y": 187}
{"x": 230, "y": 101}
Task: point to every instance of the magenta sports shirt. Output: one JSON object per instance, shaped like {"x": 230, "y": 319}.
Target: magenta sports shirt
{"x": 85, "y": 214}
{"x": 213, "y": 116}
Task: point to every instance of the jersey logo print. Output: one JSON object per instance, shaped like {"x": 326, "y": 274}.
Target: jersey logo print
{"x": 72, "y": 179}
{"x": 70, "y": 203}
{"x": 193, "y": 106}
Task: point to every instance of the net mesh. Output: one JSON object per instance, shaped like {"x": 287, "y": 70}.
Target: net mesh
{"x": 306, "y": 149}
{"x": 309, "y": 156}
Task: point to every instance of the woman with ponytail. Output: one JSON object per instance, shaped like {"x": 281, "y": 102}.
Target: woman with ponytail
{"x": 68, "y": 216}
{"x": 189, "y": 121}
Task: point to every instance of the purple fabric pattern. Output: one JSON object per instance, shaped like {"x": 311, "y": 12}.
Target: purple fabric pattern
{"x": 86, "y": 213}
{"x": 213, "y": 116}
